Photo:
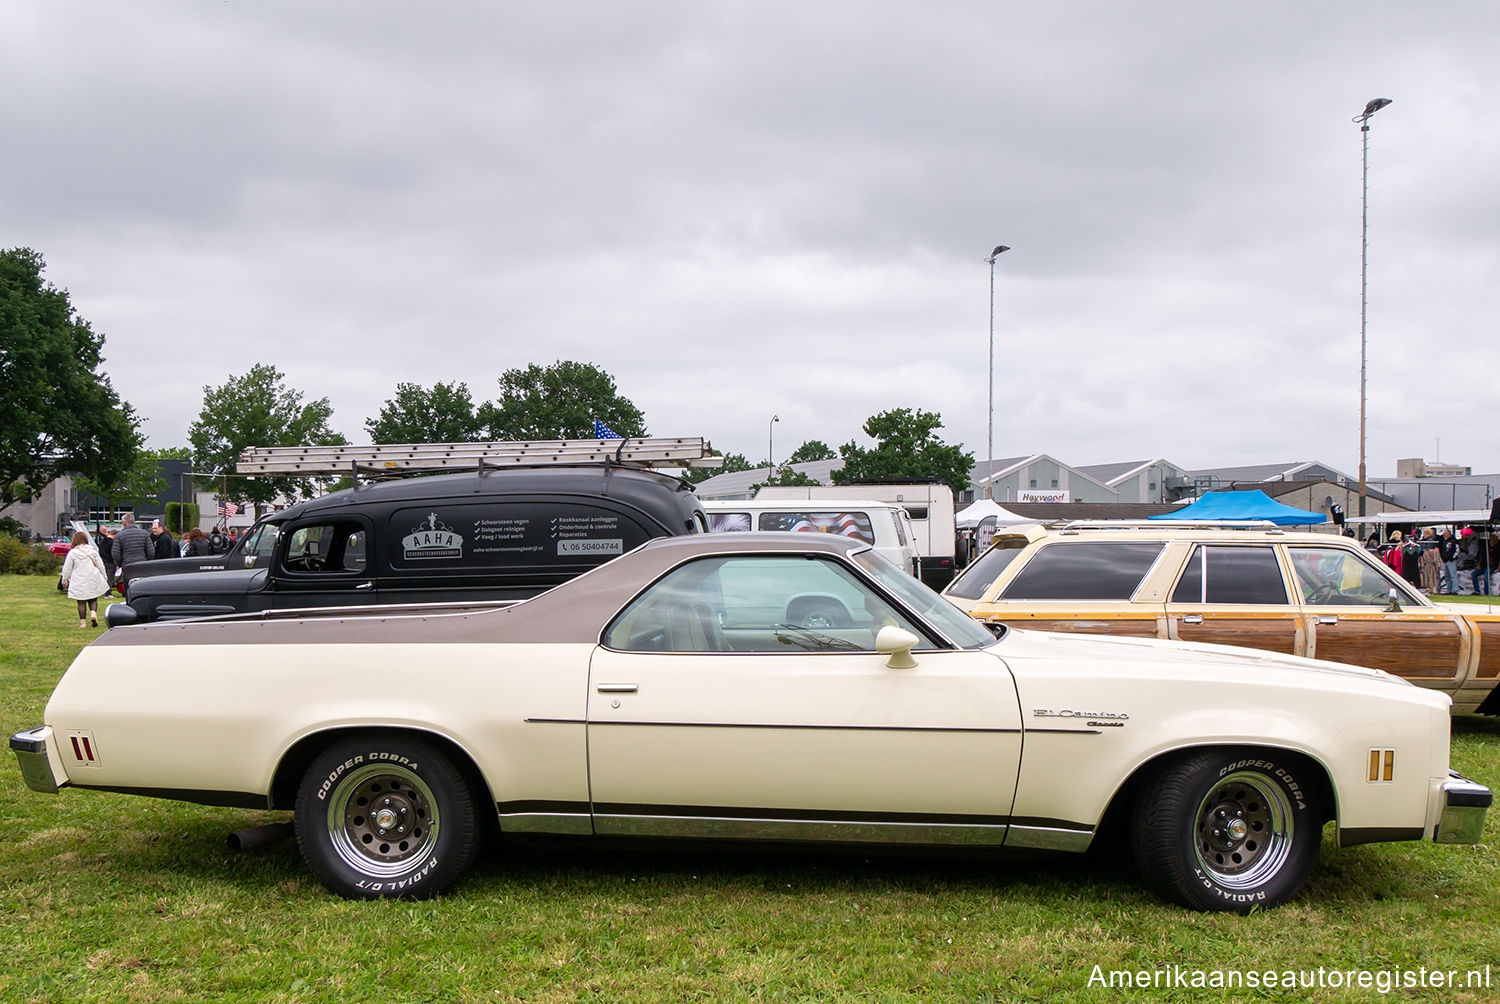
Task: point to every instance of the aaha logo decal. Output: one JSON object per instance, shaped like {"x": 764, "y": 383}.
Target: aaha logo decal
{"x": 432, "y": 539}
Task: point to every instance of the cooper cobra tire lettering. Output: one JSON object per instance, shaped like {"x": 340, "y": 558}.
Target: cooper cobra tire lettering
{"x": 1219, "y": 831}
{"x": 387, "y": 815}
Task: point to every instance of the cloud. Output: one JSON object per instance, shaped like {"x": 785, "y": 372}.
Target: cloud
{"x": 745, "y": 209}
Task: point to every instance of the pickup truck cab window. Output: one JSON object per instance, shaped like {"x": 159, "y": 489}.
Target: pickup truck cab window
{"x": 757, "y": 604}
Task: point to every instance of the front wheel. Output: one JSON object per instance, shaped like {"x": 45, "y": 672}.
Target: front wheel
{"x": 1230, "y": 831}
{"x": 386, "y": 816}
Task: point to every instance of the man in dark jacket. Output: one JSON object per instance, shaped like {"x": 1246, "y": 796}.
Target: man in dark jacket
{"x": 132, "y": 545}
{"x": 161, "y": 541}
{"x": 1448, "y": 551}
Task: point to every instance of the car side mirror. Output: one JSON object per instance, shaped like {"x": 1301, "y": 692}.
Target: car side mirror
{"x": 1394, "y": 606}
{"x": 896, "y": 643}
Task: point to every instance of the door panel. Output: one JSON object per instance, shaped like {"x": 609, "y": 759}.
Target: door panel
{"x": 818, "y": 745}
{"x": 1419, "y": 644}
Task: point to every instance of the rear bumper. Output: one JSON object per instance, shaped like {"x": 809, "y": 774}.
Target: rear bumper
{"x": 1462, "y": 807}
{"x": 41, "y": 768}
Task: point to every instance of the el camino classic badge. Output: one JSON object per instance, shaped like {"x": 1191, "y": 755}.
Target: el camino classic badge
{"x": 432, "y": 539}
{"x": 1094, "y": 719}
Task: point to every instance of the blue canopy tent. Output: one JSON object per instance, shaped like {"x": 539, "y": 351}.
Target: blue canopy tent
{"x": 1251, "y": 505}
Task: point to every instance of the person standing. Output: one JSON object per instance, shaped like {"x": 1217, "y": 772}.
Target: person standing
{"x": 1431, "y": 562}
{"x": 104, "y": 540}
{"x": 161, "y": 541}
{"x": 196, "y": 544}
{"x": 84, "y": 577}
{"x": 132, "y": 546}
{"x": 1448, "y": 552}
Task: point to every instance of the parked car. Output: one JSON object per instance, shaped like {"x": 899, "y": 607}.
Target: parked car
{"x": 885, "y": 526}
{"x": 502, "y": 534}
{"x": 676, "y": 692}
{"x": 59, "y": 546}
{"x": 1317, "y": 595}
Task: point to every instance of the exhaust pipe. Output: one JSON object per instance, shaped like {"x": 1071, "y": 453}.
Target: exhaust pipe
{"x": 259, "y": 836}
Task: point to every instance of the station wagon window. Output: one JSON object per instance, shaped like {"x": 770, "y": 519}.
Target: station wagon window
{"x": 1331, "y": 576}
{"x": 757, "y": 603}
{"x": 325, "y": 547}
{"x": 1231, "y": 573}
{"x": 973, "y": 582}
{"x": 1084, "y": 570}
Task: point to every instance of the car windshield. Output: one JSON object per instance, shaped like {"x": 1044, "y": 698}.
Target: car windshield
{"x": 961, "y": 629}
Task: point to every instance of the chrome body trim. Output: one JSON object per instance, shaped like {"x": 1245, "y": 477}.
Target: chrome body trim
{"x": 817, "y": 830}
{"x": 571, "y": 823}
{"x": 1048, "y": 838}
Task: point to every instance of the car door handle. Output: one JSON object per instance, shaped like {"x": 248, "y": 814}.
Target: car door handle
{"x": 616, "y": 688}
{"x": 1328, "y": 619}
{"x": 365, "y": 585}
{"x": 1192, "y": 618}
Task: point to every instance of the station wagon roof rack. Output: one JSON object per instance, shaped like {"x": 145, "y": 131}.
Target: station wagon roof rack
{"x": 414, "y": 458}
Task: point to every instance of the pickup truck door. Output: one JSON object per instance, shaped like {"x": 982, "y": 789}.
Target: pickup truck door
{"x": 323, "y": 563}
{"x": 749, "y": 703}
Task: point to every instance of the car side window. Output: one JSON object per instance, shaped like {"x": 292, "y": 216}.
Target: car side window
{"x": 1231, "y": 573}
{"x": 973, "y": 582}
{"x": 1332, "y": 576}
{"x": 756, "y": 603}
{"x": 325, "y": 548}
{"x": 1084, "y": 570}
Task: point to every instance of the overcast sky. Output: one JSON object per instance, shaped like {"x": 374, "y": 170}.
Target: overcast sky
{"x": 746, "y": 209}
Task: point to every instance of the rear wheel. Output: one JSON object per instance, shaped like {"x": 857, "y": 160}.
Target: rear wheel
{"x": 386, "y": 816}
{"x": 1227, "y": 830}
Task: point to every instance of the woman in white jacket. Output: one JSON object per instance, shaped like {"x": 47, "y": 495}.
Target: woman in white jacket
{"x": 83, "y": 576}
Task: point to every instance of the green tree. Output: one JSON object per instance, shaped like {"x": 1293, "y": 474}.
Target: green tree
{"x": 58, "y": 414}
{"x": 445, "y": 414}
{"x": 257, "y": 409}
{"x": 560, "y": 401}
{"x": 811, "y": 451}
{"x": 905, "y": 448}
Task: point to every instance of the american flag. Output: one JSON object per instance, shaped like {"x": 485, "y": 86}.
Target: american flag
{"x": 602, "y": 431}
{"x": 228, "y": 509}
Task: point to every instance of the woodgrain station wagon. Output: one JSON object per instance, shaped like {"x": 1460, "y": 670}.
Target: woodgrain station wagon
{"x": 1316, "y": 595}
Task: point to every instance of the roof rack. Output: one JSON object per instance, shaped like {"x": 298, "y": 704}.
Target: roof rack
{"x": 414, "y": 458}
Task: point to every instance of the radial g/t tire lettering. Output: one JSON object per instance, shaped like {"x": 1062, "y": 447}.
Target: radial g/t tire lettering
{"x": 385, "y": 816}
{"x": 1228, "y": 830}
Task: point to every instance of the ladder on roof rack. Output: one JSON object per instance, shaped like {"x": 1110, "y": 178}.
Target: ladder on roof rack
{"x": 411, "y": 458}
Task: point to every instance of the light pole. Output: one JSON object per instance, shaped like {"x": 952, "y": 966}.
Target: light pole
{"x": 989, "y": 470}
{"x": 770, "y": 447}
{"x": 1363, "y": 119}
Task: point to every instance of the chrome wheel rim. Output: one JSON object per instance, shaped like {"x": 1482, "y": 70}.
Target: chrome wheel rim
{"x": 382, "y": 822}
{"x": 1243, "y": 830}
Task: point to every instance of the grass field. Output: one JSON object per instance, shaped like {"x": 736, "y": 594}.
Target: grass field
{"x": 115, "y": 898}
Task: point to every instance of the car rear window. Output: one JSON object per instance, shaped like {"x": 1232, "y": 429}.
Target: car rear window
{"x": 1231, "y": 574}
{"x": 1084, "y": 570}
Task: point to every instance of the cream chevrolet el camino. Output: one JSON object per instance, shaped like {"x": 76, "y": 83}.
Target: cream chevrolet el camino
{"x": 752, "y": 687}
